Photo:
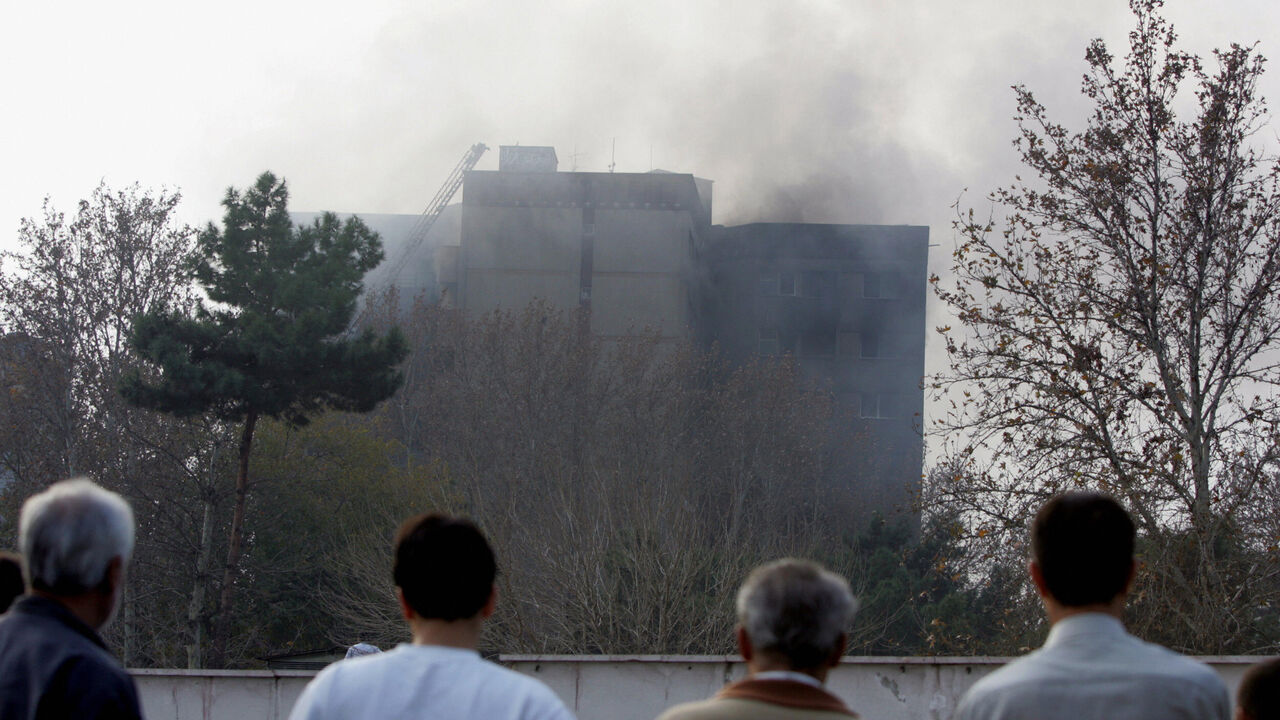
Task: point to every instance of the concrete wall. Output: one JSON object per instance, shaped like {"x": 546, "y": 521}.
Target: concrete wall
{"x": 612, "y": 688}
{"x": 618, "y": 244}
{"x": 219, "y": 694}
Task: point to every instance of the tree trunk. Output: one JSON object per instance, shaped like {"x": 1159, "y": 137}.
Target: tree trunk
{"x": 127, "y": 643}
{"x": 223, "y": 627}
{"x": 195, "y": 608}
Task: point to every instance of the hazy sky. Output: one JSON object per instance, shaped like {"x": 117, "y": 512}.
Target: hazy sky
{"x": 873, "y": 111}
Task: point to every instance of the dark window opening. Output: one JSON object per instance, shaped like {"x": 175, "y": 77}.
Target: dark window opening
{"x": 787, "y": 283}
{"x": 818, "y": 342}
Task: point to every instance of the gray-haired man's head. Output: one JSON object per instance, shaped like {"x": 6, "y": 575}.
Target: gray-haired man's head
{"x": 796, "y": 611}
{"x": 69, "y": 536}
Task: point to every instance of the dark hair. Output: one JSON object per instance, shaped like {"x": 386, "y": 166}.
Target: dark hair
{"x": 444, "y": 566}
{"x": 11, "y": 585}
{"x": 1083, "y": 543}
{"x": 1259, "y": 693}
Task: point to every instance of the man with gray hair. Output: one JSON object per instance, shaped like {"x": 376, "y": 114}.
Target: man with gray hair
{"x": 792, "y": 617}
{"x": 75, "y": 539}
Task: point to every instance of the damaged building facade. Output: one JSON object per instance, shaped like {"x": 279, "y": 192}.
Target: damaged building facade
{"x": 639, "y": 251}
{"x": 848, "y": 303}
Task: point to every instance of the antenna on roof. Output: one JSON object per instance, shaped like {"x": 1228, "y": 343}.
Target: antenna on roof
{"x": 573, "y": 158}
{"x": 613, "y": 155}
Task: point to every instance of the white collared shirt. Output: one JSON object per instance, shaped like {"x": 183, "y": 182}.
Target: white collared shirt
{"x": 1090, "y": 667}
{"x": 425, "y": 681}
{"x": 788, "y": 675}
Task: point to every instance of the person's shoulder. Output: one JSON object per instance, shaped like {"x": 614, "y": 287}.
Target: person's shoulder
{"x": 1161, "y": 661}
{"x": 711, "y": 709}
{"x": 517, "y": 681}
{"x": 352, "y": 671}
{"x": 336, "y": 678}
{"x": 95, "y": 685}
{"x": 535, "y": 696}
{"x": 1014, "y": 672}
{"x": 67, "y": 648}
{"x": 1001, "y": 685}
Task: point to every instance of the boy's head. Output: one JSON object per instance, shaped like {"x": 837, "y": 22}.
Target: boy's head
{"x": 444, "y": 567}
{"x": 1083, "y": 544}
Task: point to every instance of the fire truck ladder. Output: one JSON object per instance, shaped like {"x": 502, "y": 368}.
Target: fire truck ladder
{"x": 429, "y": 216}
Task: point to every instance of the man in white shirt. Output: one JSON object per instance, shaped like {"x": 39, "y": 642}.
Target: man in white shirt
{"x": 1090, "y": 667}
{"x": 444, "y": 571}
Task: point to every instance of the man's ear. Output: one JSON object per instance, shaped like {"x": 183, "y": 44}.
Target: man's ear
{"x": 112, "y": 578}
{"x": 1133, "y": 574}
{"x": 406, "y": 610}
{"x": 841, "y": 644}
{"x": 1037, "y": 577}
{"x": 744, "y": 645}
{"x": 491, "y": 604}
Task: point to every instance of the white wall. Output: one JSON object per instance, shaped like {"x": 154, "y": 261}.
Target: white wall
{"x": 611, "y": 687}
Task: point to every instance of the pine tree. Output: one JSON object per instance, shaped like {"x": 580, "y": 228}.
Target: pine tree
{"x": 272, "y": 340}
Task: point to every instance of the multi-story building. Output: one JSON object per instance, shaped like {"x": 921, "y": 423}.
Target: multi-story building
{"x": 638, "y": 251}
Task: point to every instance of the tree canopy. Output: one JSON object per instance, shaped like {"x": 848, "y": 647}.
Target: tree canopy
{"x": 272, "y": 340}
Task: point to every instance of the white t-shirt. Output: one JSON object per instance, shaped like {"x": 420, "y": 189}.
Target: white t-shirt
{"x": 1090, "y": 668}
{"x": 425, "y": 681}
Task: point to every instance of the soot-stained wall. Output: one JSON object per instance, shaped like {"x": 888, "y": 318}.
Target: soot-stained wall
{"x": 848, "y": 302}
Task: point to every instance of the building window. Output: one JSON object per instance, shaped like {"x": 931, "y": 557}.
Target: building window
{"x": 818, "y": 342}
{"x": 871, "y": 285}
{"x": 869, "y": 345}
{"x": 881, "y": 285}
{"x": 817, "y": 283}
{"x": 768, "y": 283}
{"x": 847, "y": 344}
{"x": 768, "y": 343}
{"x": 875, "y": 406}
{"x": 787, "y": 283}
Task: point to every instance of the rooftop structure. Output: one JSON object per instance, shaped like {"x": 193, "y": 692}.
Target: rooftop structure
{"x": 621, "y": 245}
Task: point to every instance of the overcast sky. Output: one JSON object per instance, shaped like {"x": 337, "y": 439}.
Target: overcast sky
{"x": 872, "y": 111}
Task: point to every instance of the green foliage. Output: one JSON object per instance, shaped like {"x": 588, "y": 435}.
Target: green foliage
{"x": 911, "y": 595}
{"x": 272, "y": 340}
{"x": 325, "y": 495}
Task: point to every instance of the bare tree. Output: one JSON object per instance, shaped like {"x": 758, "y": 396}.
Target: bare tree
{"x": 68, "y": 295}
{"x": 1118, "y": 325}
{"x": 71, "y": 291}
{"x": 627, "y": 485}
